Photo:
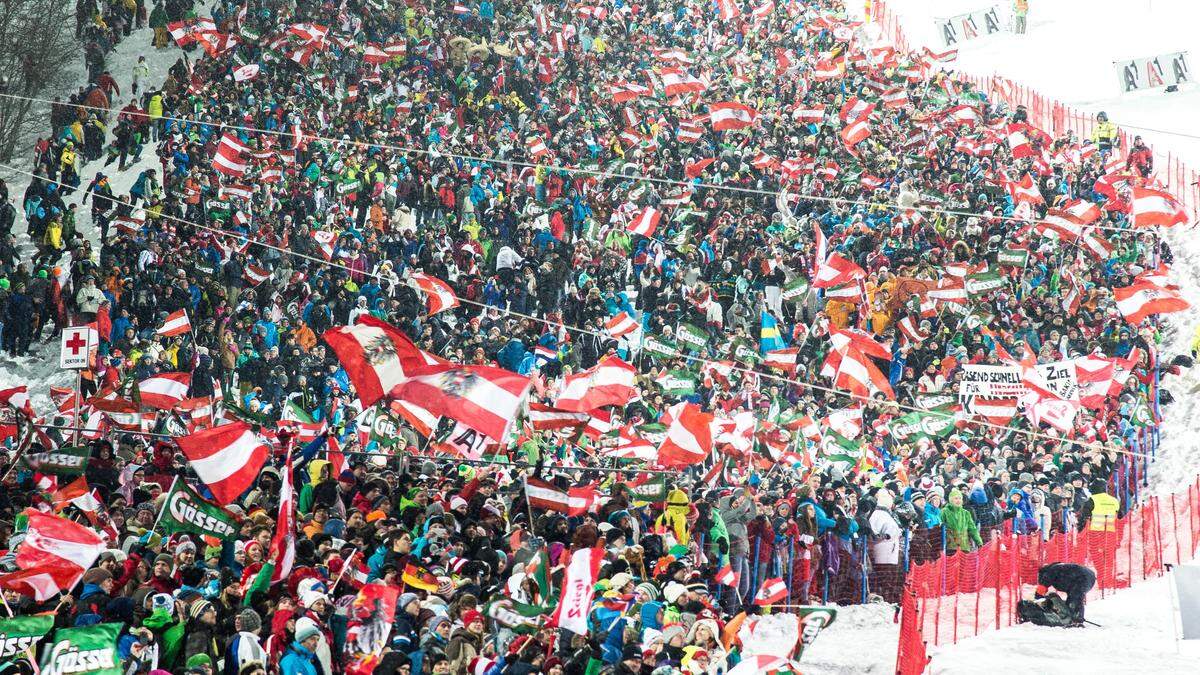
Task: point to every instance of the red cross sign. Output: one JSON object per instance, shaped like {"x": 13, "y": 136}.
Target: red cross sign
{"x": 77, "y": 341}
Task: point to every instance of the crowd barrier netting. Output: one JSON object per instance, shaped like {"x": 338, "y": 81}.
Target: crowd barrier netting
{"x": 947, "y": 598}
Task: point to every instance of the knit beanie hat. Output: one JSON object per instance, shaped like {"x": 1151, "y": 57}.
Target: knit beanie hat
{"x": 199, "y": 607}
{"x": 251, "y": 621}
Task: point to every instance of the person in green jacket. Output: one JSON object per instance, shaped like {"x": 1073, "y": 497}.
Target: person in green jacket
{"x": 962, "y": 534}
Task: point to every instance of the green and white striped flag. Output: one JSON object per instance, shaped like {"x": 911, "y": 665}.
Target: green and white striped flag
{"x": 984, "y": 282}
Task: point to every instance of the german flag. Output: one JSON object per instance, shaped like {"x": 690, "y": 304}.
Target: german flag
{"x": 419, "y": 577}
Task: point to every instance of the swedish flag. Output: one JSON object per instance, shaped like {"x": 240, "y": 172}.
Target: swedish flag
{"x": 770, "y": 338}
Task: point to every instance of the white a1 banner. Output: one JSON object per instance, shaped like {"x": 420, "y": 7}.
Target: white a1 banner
{"x": 969, "y": 26}
{"x": 1152, "y": 72}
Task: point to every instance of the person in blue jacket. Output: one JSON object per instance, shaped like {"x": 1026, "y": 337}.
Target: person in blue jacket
{"x": 301, "y": 656}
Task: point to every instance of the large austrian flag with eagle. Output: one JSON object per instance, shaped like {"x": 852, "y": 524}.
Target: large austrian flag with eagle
{"x": 481, "y": 397}
{"x": 376, "y": 356}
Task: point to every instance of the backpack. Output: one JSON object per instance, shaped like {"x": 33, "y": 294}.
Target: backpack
{"x": 1052, "y": 611}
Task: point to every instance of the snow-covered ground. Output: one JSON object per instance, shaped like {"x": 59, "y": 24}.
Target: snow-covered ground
{"x": 1136, "y": 634}
{"x": 40, "y": 368}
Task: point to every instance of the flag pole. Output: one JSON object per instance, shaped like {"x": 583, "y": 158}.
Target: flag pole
{"x": 345, "y": 566}
{"x": 162, "y": 511}
{"x": 528, "y": 507}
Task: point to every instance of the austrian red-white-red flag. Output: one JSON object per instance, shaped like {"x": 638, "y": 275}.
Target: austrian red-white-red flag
{"x": 228, "y": 159}
{"x": 165, "y": 390}
{"x": 645, "y": 222}
{"x": 374, "y": 54}
{"x": 255, "y": 275}
{"x": 578, "y": 588}
{"x": 53, "y": 556}
{"x": 620, "y": 92}
{"x": 728, "y": 9}
{"x": 730, "y": 116}
{"x": 856, "y": 132}
{"x": 375, "y": 354}
{"x": 1025, "y": 191}
{"x": 895, "y": 98}
{"x": 227, "y": 458}
{"x": 177, "y": 323}
{"x": 621, "y": 325}
{"x": 544, "y": 418}
{"x": 689, "y": 438}
{"x": 772, "y": 592}
{"x": 1155, "y": 207}
{"x": 837, "y": 271}
{"x": 483, "y": 398}
{"x": 246, "y": 72}
{"x": 782, "y": 359}
{"x": 841, "y": 338}
{"x": 536, "y": 147}
{"x": 609, "y": 382}
{"x": 855, "y": 109}
{"x": 574, "y": 502}
{"x": 439, "y": 297}
{"x": 283, "y": 544}
{"x": 677, "y": 81}
{"x": 727, "y": 577}
{"x": 853, "y": 371}
{"x": 1139, "y": 301}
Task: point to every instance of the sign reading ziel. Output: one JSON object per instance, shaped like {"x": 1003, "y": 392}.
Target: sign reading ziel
{"x": 1006, "y": 382}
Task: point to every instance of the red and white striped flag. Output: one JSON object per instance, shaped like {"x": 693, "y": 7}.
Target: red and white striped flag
{"x": 53, "y": 556}
{"x": 609, "y": 382}
{"x": 621, "y": 325}
{"x": 1140, "y": 300}
{"x": 689, "y": 438}
{"x": 177, "y": 323}
{"x": 165, "y": 390}
{"x": 772, "y": 592}
{"x": 578, "y": 588}
{"x": 227, "y": 458}
{"x": 482, "y": 397}
{"x": 545, "y": 418}
{"x": 727, "y": 577}
{"x": 782, "y": 359}
{"x": 376, "y": 355}
{"x": 728, "y": 9}
{"x": 228, "y": 159}
{"x": 645, "y": 222}
{"x": 283, "y": 544}
{"x": 439, "y": 297}
{"x": 730, "y": 116}
{"x": 1155, "y": 207}
{"x": 537, "y": 148}
{"x": 856, "y": 132}
{"x": 255, "y": 274}
{"x": 573, "y": 502}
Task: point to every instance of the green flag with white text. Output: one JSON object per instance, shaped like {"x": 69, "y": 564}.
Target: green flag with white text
{"x": 20, "y": 635}
{"x": 186, "y": 511}
{"x": 83, "y": 651}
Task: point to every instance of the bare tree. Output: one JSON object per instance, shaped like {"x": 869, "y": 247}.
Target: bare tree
{"x": 37, "y": 48}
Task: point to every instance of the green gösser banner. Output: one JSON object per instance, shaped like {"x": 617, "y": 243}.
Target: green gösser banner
{"x": 65, "y": 461}
{"x": 186, "y": 511}
{"x": 91, "y": 650}
{"x": 20, "y": 635}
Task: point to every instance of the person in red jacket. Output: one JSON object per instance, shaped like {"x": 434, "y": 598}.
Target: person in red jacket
{"x": 1141, "y": 159}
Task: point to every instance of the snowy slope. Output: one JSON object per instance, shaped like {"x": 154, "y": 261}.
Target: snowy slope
{"x": 40, "y": 369}
{"x": 1136, "y": 634}
{"x": 1067, "y": 54}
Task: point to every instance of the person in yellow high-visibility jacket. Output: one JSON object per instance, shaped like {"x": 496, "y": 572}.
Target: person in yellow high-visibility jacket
{"x": 1101, "y": 510}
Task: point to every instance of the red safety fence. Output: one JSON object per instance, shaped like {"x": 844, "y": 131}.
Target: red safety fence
{"x": 967, "y": 593}
{"x": 1055, "y": 117}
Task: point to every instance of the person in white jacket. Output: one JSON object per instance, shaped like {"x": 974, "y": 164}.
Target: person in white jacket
{"x": 88, "y": 299}
{"x": 886, "y": 541}
{"x": 1041, "y": 512}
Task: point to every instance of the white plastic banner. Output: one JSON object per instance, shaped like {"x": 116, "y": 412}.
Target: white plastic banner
{"x": 1152, "y": 72}
{"x": 970, "y": 26}
{"x": 1005, "y": 381}
{"x": 1187, "y": 584}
